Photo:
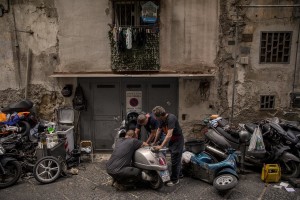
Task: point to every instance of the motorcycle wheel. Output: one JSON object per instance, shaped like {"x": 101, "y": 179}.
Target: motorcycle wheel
{"x": 157, "y": 182}
{"x": 25, "y": 128}
{"x": 47, "y": 169}
{"x": 13, "y": 170}
{"x": 225, "y": 182}
{"x": 289, "y": 169}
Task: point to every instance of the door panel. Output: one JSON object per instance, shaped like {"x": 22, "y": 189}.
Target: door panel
{"x": 106, "y": 112}
{"x": 163, "y": 93}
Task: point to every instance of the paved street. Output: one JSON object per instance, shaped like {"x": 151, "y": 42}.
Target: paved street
{"x": 92, "y": 182}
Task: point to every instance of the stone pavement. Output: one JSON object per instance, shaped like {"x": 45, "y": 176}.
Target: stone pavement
{"x": 92, "y": 183}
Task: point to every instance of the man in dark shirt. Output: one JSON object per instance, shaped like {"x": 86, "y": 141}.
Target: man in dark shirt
{"x": 150, "y": 124}
{"x": 119, "y": 164}
{"x": 174, "y": 137}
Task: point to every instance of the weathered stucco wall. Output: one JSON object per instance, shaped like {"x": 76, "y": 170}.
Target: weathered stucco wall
{"x": 255, "y": 79}
{"x": 189, "y": 35}
{"x": 83, "y": 35}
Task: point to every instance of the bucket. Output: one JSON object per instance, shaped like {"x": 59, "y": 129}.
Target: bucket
{"x": 195, "y": 146}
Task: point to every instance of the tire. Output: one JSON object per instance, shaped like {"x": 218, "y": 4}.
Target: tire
{"x": 157, "y": 183}
{"x": 13, "y": 170}
{"x": 25, "y": 128}
{"x": 47, "y": 169}
{"x": 289, "y": 169}
{"x": 225, "y": 182}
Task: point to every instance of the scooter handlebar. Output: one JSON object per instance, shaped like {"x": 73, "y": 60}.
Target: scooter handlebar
{"x": 156, "y": 151}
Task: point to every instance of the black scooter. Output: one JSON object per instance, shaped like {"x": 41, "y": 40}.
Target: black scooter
{"x": 220, "y": 139}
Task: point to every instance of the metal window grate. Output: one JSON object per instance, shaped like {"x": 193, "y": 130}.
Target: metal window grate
{"x": 275, "y": 47}
{"x": 267, "y": 102}
{"x": 128, "y": 12}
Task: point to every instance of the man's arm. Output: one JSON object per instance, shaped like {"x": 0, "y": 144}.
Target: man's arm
{"x": 167, "y": 138}
{"x": 144, "y": 144}
{"x": 158, "y": 132}
{"x": 136, "y": 133}
{"x": 151, "y": 136}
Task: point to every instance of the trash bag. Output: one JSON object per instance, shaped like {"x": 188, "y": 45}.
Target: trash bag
{"x": 186, "y": 156}
{"x": 256, "y": 141}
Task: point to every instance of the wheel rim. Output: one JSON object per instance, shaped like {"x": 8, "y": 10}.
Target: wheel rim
{"x": 47, "y": 170}
{"x": 224, "y": 180}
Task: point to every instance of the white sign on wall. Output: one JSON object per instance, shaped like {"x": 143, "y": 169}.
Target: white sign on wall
{"x": 133, "y": 101}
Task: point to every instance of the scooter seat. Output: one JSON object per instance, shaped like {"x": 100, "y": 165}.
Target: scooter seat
{"x": 250, "y": 127}
{"x": 20, "y": 106}
{"x": 227, "y": 135}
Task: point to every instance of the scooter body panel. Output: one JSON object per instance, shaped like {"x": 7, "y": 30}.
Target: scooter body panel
{"x": 207, "y": 170}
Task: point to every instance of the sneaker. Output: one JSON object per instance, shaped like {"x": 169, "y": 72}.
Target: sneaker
{"x": 172, "y": 183}
{"x": 181, "y": 176}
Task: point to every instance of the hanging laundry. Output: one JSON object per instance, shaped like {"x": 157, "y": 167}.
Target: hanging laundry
{"x": 115, "y": 34}
{"x": 121, "y": 41}
{"x": 128, "y": 38}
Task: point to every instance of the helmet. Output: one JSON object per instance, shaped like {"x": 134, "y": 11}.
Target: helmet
{"x": 67, "y": 91}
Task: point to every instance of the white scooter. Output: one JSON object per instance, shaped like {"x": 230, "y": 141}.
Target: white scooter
{"x": 152, "y": 163}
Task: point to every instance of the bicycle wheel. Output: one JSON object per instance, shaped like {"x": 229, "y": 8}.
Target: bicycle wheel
{"x": 47, "y": 169}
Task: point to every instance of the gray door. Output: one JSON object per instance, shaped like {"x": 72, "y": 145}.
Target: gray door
{"x": 106, "y": 113}
{"x": 109, "y": 99}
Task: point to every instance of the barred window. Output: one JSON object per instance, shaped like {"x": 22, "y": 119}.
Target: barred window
{"x": 129, "y": 12}
{"x": 267, "y": 102}
{"x": 275, "y": 47}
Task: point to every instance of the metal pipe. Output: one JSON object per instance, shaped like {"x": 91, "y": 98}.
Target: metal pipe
{"x": 17, "y": 50}
{"x": 234, "y": 68}
{"x": 268, "y": 6}
{"x": 296, "y": 59}
{"x": 215, "y": 151}
{"x": 28, "y": 67}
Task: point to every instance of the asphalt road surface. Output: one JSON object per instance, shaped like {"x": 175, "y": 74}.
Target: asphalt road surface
{"x": 92, "y": 182}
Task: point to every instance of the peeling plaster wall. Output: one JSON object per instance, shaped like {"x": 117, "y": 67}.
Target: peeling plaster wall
{"x": 198, "y": 99}
{"x": 36, "y": 26}
{"x": 255, "y": 79}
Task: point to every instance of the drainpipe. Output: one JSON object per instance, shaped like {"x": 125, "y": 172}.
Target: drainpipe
{"x": 17, "y": 48}
{"x": 296, "y": 59}
{"x": 28, "y": 70}
{"x": 235, "y": 65}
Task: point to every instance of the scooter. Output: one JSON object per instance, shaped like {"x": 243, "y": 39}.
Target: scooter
{"x": 17, "y": 118}
{"x": 206, "y": 167}
{"x": 10, "y": 168}
{"x": 153, "y": 164}
{"x": 218, "y": 140}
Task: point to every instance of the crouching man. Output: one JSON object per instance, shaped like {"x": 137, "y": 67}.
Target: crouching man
{"x": 119, "y": 165}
